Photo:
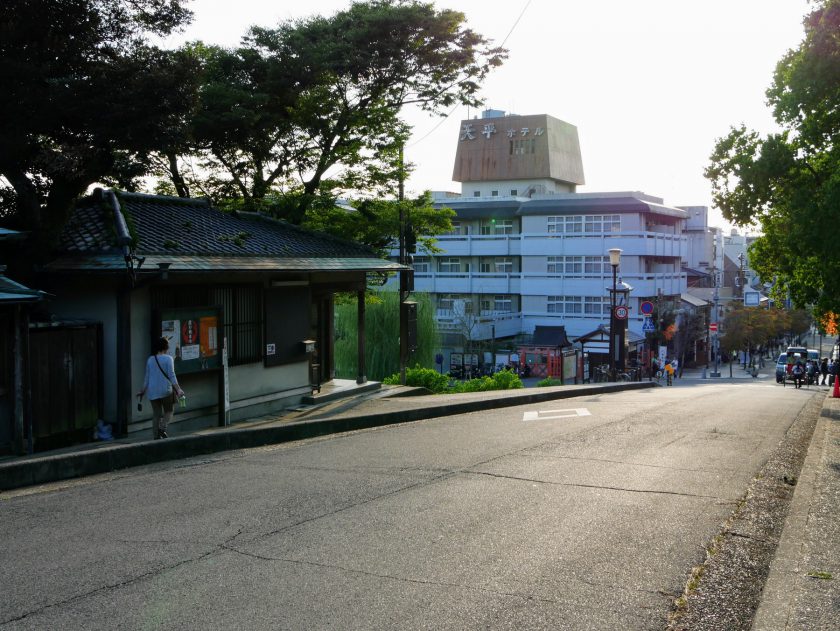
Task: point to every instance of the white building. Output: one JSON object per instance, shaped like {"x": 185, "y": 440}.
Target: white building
{"x": 526, "y": 249}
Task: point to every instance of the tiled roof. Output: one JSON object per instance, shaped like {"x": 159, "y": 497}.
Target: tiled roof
{"x": 175, "y": 227}
{"x": 12, "y": 292}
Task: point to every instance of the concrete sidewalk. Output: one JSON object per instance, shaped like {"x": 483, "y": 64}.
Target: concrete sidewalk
{"x": 802, "y": 591}
{"x": 101, "y": 457}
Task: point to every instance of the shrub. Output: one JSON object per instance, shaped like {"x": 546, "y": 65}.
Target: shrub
{"x": 506, "y": 380}
{"x": 422, "y": 378}
{"x": 481, "y": 384}
{"x": 549, "y": 381}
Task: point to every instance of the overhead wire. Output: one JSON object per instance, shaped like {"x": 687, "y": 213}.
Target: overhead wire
{"x": 452, "y": 111}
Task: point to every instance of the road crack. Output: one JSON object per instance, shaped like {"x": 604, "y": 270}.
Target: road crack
{"x": 391, "y": 577}
{"x": 595, "y": 486}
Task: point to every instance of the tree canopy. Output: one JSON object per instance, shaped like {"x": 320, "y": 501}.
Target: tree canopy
{"x": 788, "y": 183}
{"x": 312, "y": 106}
{"x": 747, "y": 328}
{"x": 85, "y": 99}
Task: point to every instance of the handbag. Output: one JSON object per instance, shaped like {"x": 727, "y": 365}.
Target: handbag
{"x": 174, "y": 395}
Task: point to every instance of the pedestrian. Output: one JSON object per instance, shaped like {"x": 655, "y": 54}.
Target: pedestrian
{"x": 669, "y": 372}
{"x": 676, "y": 366}
{"x": 811, "y": 371}
{"x": 161, "y": 387}
{"x": 797, "y": 372}
{"x": 824, "y": 371}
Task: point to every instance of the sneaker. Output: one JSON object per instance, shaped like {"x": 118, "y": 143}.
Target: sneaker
{"x": 163, "y": 435}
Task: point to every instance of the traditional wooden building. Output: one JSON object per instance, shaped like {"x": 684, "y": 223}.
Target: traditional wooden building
{"x": 246, "y": 301}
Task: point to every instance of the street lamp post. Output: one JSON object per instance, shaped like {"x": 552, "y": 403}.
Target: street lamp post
{"x": 615, "y": 260}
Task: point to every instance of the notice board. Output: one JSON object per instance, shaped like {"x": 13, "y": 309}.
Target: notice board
{"x": 195, "y": 336}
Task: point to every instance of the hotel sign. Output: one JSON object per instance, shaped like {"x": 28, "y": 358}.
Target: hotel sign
{"x": 469, "y": 131}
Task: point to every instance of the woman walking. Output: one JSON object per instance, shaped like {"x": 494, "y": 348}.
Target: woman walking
{"x": 161, "y": 386}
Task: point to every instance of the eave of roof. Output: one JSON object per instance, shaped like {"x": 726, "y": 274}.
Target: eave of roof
{"x": 467, "y": 208}
{"x": 116, "y": 263}
{"x": 569, "y": 205}
{"x": 14, "y": 292}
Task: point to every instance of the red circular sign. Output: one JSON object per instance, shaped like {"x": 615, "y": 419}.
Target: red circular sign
{"x": 189, "y": 332}
{"x": 621, "y": 312}
{"x": 646, "y": 307}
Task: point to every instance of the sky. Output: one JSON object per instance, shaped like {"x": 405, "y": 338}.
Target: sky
{"x": 650, "y": 84}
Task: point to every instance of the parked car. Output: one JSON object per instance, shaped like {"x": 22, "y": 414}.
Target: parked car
{"x": 782, "y": 368}
{"x": 788, "y": 359}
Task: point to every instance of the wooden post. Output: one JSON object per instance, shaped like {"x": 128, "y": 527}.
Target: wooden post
{"x": 124, "y": 365}
{"x": 18, "y": 442}
{"x": 361, "y": 378}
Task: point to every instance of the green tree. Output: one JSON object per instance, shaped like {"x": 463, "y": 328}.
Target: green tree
{"x": 323, "y": 95}
{"x": 376, "y": 222}
{"x": 382, "y": 334}
{"x": 85, "y": 99}
{"x": 750, "y": 328}
{"x": 789, "y": 182}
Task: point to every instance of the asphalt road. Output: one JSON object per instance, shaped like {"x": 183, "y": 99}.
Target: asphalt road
{"x": 586, "y": 513}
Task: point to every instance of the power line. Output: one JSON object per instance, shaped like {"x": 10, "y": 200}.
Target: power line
{"x": 525, "y": 8}
{"x": 452, "y": 111}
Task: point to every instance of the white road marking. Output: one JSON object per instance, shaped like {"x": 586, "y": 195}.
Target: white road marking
{"x": 550, "y": 415}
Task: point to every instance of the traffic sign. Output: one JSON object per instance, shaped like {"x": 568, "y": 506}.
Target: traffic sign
{"x": 621, "y": 312}
{"x": 648, "y": 325}
{"x": 646, "y": 307}
{"x": 713, "y": 327}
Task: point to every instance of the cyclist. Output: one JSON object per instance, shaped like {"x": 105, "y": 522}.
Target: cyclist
{"x": 669, "y": 373}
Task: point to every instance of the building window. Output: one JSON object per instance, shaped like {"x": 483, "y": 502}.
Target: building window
{"x": 450, "y": 301}
{"x": 494, "y": 193}
{"x": 573, "y": 265}
{"x": 421, "y": 264}
{"x": 571, "y": 224}
{"x": 456, "y": 228}
{"x": 596, "y": 265}
{"x": 497, "y": 226}
{"x": 503, "y": 265}
{"x": 449, "y": 264}
{"x": 567, "y": 265}
{"x": 567, "y": 305}
{"x": 502, "y": 304}
{"x": 522, "y": 147}
{"x": 596, "y": 305}
{"x": 476, "y": 193}
{"x": 602, "y": 223}
{"x": 514, "y": 192}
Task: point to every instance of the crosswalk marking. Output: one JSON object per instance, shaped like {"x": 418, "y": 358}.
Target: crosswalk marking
{"x": 550, "y": 415}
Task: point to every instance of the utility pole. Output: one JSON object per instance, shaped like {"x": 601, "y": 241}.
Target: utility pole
{"x": 408, "y": 310}
{"x": 716, "y": 318}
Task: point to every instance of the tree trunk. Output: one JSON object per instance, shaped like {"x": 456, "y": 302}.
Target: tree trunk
{"x": 177, "y": 179}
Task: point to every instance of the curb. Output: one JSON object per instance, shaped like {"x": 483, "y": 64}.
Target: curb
{"x": 41, "y": 470}
{"x": 784, "y": 581}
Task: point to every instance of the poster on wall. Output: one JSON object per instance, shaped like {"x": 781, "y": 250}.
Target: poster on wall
{"x": 193, "y": 335}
